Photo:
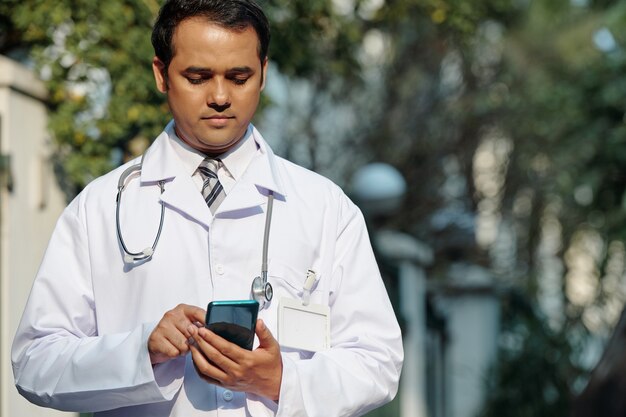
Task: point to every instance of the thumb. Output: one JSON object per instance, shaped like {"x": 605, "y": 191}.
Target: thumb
{"x": 266, "y": 339}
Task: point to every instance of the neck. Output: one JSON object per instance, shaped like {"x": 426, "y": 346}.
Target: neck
{"x": 208, "y": 151}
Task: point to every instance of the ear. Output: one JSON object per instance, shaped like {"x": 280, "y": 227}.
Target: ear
{"x": 160, "y": 75}
{"x": 264, "y": 73}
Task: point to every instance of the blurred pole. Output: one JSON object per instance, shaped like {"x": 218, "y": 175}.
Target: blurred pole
{"x": 410, "y": 255}
{"x": 379, "y": 189}
{"x": 413, "y": 307}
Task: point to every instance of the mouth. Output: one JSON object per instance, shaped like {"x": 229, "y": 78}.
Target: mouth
{"x": 218, "y": 120}
{"x": 218, "y": 117}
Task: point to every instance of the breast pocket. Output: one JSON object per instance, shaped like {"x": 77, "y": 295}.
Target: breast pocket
{"x": 291, "y": 258}
{"x": 287, "y": 278}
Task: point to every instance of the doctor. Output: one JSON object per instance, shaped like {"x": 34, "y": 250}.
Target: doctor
{"x": 123, "y": 335}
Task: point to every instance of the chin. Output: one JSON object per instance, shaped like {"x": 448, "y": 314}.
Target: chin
{"x": 217, "y": 147}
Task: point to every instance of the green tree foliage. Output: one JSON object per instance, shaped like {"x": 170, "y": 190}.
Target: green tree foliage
{"x": 565, "y": 114}
{"x": 95, "y": 58}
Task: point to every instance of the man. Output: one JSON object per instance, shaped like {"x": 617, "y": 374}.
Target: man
{"x": 122, "y": 333}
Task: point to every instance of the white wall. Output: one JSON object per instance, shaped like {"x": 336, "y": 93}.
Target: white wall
{"x": 27, "y": 213}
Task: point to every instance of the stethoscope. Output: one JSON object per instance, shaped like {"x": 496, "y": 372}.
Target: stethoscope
{"x": 261, "y": 290}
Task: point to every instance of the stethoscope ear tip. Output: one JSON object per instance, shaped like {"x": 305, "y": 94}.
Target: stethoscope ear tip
{"x": 128, "y": 259}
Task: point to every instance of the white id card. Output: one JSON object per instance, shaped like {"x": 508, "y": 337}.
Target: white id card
{"x": 303, "y": 327}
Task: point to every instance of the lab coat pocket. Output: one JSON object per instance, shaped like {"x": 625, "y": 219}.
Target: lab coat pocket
{"x": 288, "y": 279}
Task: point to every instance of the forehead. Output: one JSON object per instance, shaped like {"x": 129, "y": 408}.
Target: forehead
{"x": 204, "y": 42}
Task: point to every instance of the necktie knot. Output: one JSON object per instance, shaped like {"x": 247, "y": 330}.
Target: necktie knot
{"x": 212, "y": 189}
{"x": 208, "y": 168}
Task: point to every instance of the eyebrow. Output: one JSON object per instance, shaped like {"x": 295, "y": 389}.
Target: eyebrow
{"x": 230, "y": 71}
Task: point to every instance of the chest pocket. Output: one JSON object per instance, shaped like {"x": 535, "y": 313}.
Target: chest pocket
{"x": 287, "y": 278}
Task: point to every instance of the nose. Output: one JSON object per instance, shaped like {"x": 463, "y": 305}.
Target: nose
{"x": 218, "y": 97}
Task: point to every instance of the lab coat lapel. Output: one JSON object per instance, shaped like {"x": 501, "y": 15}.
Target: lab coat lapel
{"x": 162, "y": 164}
{"x": 160, "y": 161}
{"x": 243, "y": 196}
{"x": 183, "y": 196}
{"x": 252, "y": 189}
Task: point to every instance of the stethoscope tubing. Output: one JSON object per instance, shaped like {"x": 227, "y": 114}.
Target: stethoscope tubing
{"x": 266, "y": 235}
{"x": 262, "y": 293}
{"x": 148, "y": 252}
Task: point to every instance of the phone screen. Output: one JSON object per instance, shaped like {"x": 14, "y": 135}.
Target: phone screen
{"x": 233, "y": 320}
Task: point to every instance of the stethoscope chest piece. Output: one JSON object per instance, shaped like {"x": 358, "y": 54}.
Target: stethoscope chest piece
{"x": 262, "y": 291}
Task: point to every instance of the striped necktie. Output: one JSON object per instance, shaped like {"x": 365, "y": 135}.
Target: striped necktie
{"x": 212, "y": 189}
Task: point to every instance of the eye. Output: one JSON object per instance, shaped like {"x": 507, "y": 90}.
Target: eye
{"x": 195, "y": 81}
{"x": 240, "y": 81}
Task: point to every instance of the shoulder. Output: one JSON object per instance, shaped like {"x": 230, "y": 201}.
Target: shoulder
{"x": 100, "y": 192}
{"x": 305, "y": 188}
{"x": 308, "y": 189}
{"x": 304, "y": 175}
{"x": 301, "y": 180}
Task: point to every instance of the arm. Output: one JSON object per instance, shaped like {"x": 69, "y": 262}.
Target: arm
{"x": 60, "y": 360}
{"x": 362, "y": 368}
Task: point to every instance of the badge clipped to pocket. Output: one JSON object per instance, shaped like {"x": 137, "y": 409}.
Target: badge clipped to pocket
{"x": 302, "y": 325}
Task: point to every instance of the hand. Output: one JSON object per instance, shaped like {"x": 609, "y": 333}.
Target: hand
{"x": 170, "y": 338}
{"x": 229, "y": 366}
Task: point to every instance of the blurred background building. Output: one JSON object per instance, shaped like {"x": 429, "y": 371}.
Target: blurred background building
{"x": 30, "y": 202}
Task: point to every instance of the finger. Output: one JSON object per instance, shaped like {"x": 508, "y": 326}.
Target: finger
{"x": 178, "y": 341}
{"x": 220, "y": 351}
{"x": 171, "y": 334}
{"x": 209, "y": 379}
{"x": 162, "y": 350}
{"x": 205, "y": 368}
{"x": 194, "y": 314}
{"x": 184, "y": 322}
{"x": 174, "y": 321}
{"x": 159, "y": 343}
{"x": 183, "y": 327}
{"x": 266, "y": 339}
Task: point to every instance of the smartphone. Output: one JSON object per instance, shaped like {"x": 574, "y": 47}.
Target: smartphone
{"x": 233, "y": 320}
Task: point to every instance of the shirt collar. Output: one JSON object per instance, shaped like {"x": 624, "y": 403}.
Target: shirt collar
{"x": 235, "y": 161}
{"x": 169, "y": 157}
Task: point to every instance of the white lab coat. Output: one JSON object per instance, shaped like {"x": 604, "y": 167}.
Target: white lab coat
{"x": 82, "y": 341}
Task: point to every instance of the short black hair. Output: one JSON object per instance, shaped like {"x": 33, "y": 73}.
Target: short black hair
{"x": 230, "y": 14}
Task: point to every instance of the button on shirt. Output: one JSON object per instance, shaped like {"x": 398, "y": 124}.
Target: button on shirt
{"x": 227, "y": 395}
